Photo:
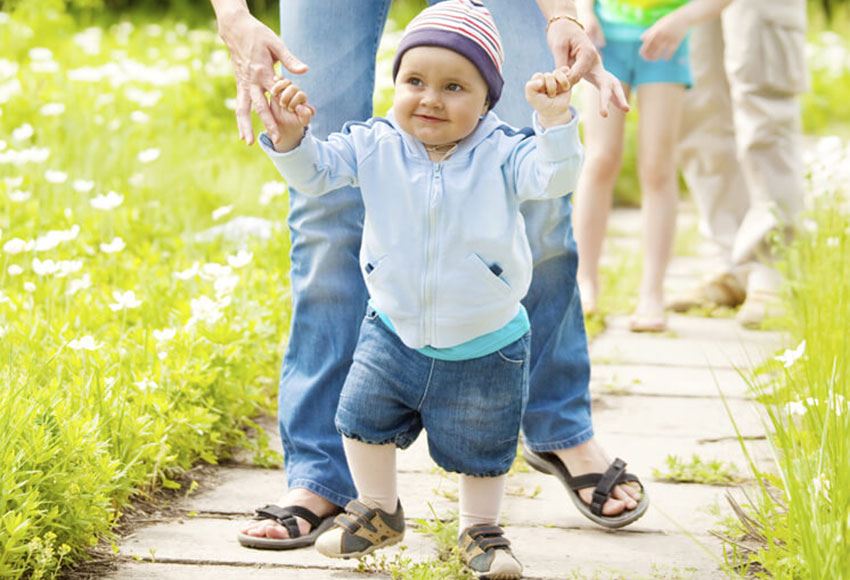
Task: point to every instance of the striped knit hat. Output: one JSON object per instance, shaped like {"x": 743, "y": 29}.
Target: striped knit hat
{"x": 466, "y": 27}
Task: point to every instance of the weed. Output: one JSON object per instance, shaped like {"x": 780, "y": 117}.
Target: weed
{"x": 697, "y": 470}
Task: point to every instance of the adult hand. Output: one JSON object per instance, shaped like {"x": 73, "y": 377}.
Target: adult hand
{"x": 662, "y": 39}
{"x": 572, "y": 48}
{"x": 254, "y": 50}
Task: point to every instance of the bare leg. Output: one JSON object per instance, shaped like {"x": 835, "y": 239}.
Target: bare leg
{"x": 603, "y": 139}
{"x": 658, "y": 133}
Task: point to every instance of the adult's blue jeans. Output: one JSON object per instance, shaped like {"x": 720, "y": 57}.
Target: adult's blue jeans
{"x": 339, "y": 39}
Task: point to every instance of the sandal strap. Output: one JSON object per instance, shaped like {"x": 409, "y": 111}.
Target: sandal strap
{"x": 606, "y": 484}
{"x": 285, "y": 516}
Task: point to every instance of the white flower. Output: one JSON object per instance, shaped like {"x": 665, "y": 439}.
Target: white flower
{"x": 143, "y": 98}
{"x": 161, "y": 355}
{"x": 45, "y": 268}
{"x": 15, "y": 270}
{"x": 54, "y": 176}
{"x": 271, "y": 190}
{"x": 148, "y": 155}
{"x": 75, "y": 286}
{"x": 15, "y": 246}
{"x": 3, "y": 298}
{"x": 82, "y": 185}
{"x": 188, "y": 273}
{"x": 55, "y": 237}
{"x": 810, "y": 226}
{"x": 124, "y": 300}
{"x": 44, "y": 66}
{"x": 230, "y": 104}
{"x": 113, "y": 247}
{"x": 240, "y": 259}
{"x": 146, "y": 385}
{"x": 796, "y": 408}
{"x": 214, "y": 271}
{"x": 221, "y": 212}
{"x": 23, "y": 132}
{"x": 832, "y": 242}
{"x": 40, "y": 53}
{"x": 225, "y": 285}
{"x": 205, "y": 310}
{"x": 789, "y": 357}
{"x": 29, "y": 287}
{"x": 107, "y": 202}
{"x": 164, "y": 335}
{"x": 52, "y": 109}
{"x": 84, "y": 343}
{"x": 136, "y": 180}
{"x": 141, "y": 118}
{"x": 12, "y": 182}
{"x": 19, "y": 196}
{"x": 3, "y": 330}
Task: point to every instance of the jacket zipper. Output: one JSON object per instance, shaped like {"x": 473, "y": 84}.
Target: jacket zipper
{"x": 429, "y": 319}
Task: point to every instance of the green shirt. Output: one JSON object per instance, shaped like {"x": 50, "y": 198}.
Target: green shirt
{"x": 637, "y": 12}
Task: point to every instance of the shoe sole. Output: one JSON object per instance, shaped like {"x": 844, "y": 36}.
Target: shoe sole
{"x": 305, "y": 541}
{"x": 367, "y": 551}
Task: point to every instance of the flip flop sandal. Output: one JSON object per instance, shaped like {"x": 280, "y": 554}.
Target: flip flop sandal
{"x": 603, "y": 484}
{"x": 285, "y": 516}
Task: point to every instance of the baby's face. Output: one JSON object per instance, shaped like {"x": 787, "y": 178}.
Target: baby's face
{"x": 439, "y": 95}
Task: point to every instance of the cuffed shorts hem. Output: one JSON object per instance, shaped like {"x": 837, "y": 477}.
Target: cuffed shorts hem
{"x": 320, "y": 490}
{"x": 399, "y": 441}
{"x": 567, "y": 443}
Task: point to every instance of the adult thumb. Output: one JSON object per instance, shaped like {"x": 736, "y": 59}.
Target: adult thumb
{"x": 289, "y": 61}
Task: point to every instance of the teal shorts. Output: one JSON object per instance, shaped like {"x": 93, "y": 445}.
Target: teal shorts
{"x": 622, "y": 59}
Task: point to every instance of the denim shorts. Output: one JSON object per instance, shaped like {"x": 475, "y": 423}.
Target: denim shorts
{"x": 471, "y": 409}
{"x": 623, "y": 60}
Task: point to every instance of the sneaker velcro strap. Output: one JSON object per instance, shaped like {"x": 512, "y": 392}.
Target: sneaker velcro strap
{"x": 477, "y": 531}
{"x": 347, "y": 523}
{"x": 493, "y": 542}
{"x": 360, "y": 509}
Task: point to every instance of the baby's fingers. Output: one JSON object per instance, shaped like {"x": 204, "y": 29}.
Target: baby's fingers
{"x": 551, "y": 84}
{"x": 279, "y": 86}
{"x": 305, "y": 114}
{"x": 300, "y": 98}
{"x": 285, "y": 99}
{"x": 563, "y": 79}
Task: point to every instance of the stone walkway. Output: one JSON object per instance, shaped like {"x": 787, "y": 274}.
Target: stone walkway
{"x": 653, "y": 396}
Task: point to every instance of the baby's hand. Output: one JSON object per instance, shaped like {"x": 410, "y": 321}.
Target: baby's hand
{"x": 292, "y": 113}
{"x": 549, "y": 94}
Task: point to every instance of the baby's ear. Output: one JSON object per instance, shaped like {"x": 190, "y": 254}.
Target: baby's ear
{"x": 486, "y": 107}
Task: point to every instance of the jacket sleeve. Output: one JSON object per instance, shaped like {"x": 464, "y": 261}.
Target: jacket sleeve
{"x": 316, "y": 167}
{"x": 547, "y": 165}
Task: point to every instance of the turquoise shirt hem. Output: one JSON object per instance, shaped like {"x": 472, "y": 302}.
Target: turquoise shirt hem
{"x": 479, "y": 346}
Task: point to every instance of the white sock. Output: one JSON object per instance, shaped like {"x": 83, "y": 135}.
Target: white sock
{"x": 373, "y": 470}
{"x": 480, "y": 500}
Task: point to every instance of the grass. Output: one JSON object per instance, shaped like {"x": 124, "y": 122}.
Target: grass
{"x": 698, "y": 470}
{"x": 796, "y": 522}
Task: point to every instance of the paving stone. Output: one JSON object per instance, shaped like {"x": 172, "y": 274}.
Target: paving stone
{"x": 154, "y": 571}
{"x": 666, "y": 381}
{"x": 533, "y": 499}
{"x": 547, "y": 552}
{"x": 665, "y": 350}
{"x": 674, "y": 417}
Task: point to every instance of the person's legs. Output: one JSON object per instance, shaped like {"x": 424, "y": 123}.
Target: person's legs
{"x": 557, "y": 415}
{"x": 373, "y": 468}
{"x": 660, "y": 107}
{"x": 338, "y": 40}
{"x": 767, "y": 130}
{"x": 603, "y": 139}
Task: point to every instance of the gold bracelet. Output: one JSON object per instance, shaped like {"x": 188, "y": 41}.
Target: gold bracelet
{"x": 564, "y": 17}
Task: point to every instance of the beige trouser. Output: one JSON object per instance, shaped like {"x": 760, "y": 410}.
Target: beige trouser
{"x": 741, "y": 150}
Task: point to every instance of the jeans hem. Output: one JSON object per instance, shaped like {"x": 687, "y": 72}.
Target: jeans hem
{"x": 573, "y": 441}
{"x": 319, "y": 489}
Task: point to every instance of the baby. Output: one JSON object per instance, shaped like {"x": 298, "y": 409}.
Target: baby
{"x": 445, "y": 342}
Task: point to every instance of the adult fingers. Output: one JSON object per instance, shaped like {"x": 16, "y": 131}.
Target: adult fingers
{"x": 243, "y": 114}
{"x": 289, "y": 61}
{"x": 586, "y": 58}
{"x": 261, "y": 107}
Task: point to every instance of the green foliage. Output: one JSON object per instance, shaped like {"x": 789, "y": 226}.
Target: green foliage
{"x": 103, "y": 395}
{"x": 697, "y": 470}
{"x": 798, "y": 523}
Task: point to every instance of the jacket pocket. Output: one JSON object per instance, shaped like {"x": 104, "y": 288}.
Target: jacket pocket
{"x": 487, "y": 275}
{"x": 372, "y": 267}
